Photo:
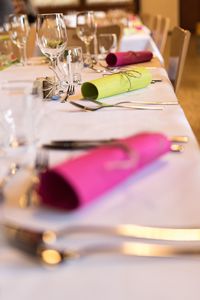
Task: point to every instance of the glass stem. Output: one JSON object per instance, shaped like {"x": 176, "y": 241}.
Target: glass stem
{"x": 55, "y": 68}
{"x": 87, "y": 49}
{"x": 54, "y": 62}
{"x": 23, "y": 55}
{"x": 88, "y": 60}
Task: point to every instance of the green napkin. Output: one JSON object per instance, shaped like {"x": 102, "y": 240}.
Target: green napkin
{"x": 126, "y": 80}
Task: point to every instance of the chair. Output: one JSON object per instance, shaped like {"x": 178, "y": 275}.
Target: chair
{"x": 162, "y": 33}
{"x": 73, "y": 39}
{"x": 147, "y": 20}
{"x": 178, "y": 50}
{"x": 156, "y": 28}
{"x": 159, "y": 27}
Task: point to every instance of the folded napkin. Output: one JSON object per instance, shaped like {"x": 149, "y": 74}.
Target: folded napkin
{"x": 127, "y": 58}
{"x": 124, "y": 81}
{"x": 79, "y": 181}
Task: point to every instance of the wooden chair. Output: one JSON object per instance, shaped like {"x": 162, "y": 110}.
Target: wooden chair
{"x": 147, "y": 20}
{"x": 178, "y": 50}
{"x": 159, "y": 27}
{"x": 156, "y": 28}
{"x": 73, "y": 39}
{"x": 162, "y": 33}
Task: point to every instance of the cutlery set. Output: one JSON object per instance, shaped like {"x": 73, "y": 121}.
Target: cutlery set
{"x": 132, "y": 240}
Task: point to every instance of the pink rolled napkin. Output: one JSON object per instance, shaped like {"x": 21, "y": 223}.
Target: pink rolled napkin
{"x": 127, "y": 58}
{"x": 79, "y": 181}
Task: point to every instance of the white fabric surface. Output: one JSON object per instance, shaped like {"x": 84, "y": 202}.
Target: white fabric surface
{"x": 165, "y": 193}
{"x": 138, "y": 42}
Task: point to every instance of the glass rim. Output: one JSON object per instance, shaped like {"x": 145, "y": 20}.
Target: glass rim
{"x": 50, "y": 14}
{"x": 84, "y": 12}
{"x": 12, "y": 16}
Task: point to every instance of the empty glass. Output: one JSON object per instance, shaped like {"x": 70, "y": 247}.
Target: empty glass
{"x": 51, "y": 36}
{"x": 107, "y": 43}
{"x": 19, "y": 113}
{"x": 86, "y": 30}
{"x": 76, "y": 63}
{"x": 18, "y": 31}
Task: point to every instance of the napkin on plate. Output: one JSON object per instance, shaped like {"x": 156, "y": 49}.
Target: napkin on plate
{"x": 127, "y": 58}
{"x": 110, "y": 85}
{"x": 79, "y": 181}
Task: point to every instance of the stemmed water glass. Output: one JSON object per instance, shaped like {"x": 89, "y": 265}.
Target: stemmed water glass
{"x": 52, "y": 37}
{"x": 86, "y": 31}
{"x": 18, "y": 31}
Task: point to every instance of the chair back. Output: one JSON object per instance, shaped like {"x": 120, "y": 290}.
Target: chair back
{"x": 148, "y": 20}
{"x": 178, "y": 50}
{"x": 163, "y": 33}
{"x": 156, "y": 28}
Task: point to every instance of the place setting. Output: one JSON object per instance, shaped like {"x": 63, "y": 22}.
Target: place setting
{"x": 99, "y": 165}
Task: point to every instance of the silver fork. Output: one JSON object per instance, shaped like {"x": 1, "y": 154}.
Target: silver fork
{"x": 139, "y": 107}
{"x": 70, "y": 92}
{"x": 136, "y": 102}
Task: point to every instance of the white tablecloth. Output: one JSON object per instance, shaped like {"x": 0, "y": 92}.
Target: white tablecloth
{"x": 139, "y": 42}
{"x": 165, "y": 193}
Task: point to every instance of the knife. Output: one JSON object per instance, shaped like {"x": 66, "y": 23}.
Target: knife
{"x": 76, "y": 145}
{"x": 86, "y": 144}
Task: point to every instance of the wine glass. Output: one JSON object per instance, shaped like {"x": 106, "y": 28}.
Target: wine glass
{"x": 107, "y": 43}
{"x": 51, "y": 36}
{"x": 18, "y": 31}
{"x": 86, "y": 31}
{"x": 20, "y": 111}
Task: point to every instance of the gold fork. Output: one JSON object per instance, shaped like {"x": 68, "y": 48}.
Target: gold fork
{"x": 55, "y": 256}
{"x": 40, "y": 244}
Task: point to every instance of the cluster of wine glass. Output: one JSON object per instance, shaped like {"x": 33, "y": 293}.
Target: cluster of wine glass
{"x": 52, "y": 41}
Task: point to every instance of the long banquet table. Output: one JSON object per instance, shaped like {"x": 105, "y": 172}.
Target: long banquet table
{"x": 165, "y": 193}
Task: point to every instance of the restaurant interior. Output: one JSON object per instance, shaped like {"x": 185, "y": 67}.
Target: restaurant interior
{"x": 99, "y": 149}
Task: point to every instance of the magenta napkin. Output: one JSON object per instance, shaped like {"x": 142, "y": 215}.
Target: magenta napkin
{"x": 77, "y": 182}
{"x": 127, "y": 58}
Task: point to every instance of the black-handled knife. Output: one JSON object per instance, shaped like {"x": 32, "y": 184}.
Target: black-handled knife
{"x": 86, "y": 144}
{"x": 76, "y": 145}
